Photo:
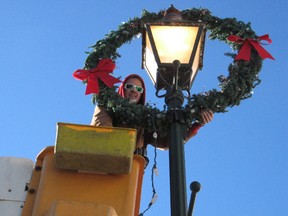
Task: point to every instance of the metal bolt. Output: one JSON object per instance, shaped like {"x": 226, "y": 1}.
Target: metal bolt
{"x": 31, "y": 190}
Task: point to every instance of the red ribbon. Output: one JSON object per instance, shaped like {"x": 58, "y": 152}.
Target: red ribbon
{"x": 245, "y": 51}
{"x": 104, "y": 67}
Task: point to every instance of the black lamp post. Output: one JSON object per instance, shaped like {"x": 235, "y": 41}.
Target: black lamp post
{"x": 172, "y": 52}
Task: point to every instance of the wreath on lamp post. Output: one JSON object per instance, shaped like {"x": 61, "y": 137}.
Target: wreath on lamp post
{"x": 237, "y": 86}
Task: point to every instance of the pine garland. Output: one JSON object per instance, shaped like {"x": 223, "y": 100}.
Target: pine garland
{"x": 237, "y": 86}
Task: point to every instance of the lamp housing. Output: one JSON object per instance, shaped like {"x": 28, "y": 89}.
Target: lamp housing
{"x": 172, "y": 39}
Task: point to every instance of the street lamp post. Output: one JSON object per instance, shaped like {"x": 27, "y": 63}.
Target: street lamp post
{"x": 172, "y": 52}
{"x": 174, "y": 100}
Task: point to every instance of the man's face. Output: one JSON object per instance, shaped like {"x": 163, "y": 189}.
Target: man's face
{"x": 130, "y": 90}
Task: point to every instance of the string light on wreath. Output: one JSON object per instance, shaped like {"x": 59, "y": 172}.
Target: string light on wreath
{"x": 238, "y": 85}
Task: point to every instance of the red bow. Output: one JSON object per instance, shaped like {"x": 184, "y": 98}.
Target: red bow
{"x": 248, "y": 43}
{"x": 104, "y": 67}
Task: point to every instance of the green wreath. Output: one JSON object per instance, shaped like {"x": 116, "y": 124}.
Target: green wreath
{"x": 237, "y": 86}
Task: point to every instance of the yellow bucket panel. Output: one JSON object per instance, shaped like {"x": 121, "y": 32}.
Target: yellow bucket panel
{"x": 62, "y": 207}
{"x": 91, "y": 148}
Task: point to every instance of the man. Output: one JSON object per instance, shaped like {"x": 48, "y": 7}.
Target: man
{"x": 133, "y": 88}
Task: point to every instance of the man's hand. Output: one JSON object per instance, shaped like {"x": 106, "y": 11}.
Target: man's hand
{"x": 207, "y": 116}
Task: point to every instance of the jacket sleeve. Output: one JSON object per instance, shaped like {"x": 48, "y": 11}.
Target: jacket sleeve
{"x": 101, "y": 117}
{"x": 192, "y": 131}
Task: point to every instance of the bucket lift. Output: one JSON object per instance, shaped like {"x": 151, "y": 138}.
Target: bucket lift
{"x": 90, "y": 171}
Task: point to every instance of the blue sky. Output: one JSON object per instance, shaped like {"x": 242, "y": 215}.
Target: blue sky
{"x": 240, "y": 158}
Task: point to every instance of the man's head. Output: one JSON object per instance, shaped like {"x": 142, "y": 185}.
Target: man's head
{"x": 133, "y": 88}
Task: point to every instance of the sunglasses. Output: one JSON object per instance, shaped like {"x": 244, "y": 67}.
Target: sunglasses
{"x": 131, "y": 86}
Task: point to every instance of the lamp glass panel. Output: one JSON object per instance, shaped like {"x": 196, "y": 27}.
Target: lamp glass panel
{"x": 196, "y": 61}
{"x": 150, "y": 62}
{"x": 174, "y": 42}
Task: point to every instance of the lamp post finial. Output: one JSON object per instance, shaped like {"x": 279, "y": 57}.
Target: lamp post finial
{"x": 172, "y": 14}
